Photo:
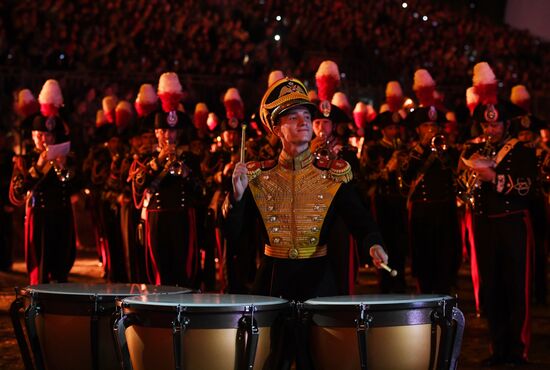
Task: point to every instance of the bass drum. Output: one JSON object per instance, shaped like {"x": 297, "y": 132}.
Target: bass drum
{"x": 384, "y": 332}
{"x": 197, "y": 331}
{"x": 69, "y": 326}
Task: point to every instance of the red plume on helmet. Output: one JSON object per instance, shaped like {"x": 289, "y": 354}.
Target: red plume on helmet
{"x": 485, "y": 83}
{"x": 200, "y": 117}
{"x": 123, "y": 113}
{"x": 521, "y": 97}
{"x": 394, "y": 96}
{"x": 50, "y": 98}
{"x": 327, "y": 80}
{"x": 234, "y": 107}
{"x": 341, "y": 101}
{"x": 472, "y": 99}
{"x": 424, "y": 88}
{"x": 26, "y": 104}
{"x": 146, "y": 101}
{"x": 212, "y": 121}
{"x": 109, "y": 105}
{"x": 360, "y": 115}
{"x": 170, "y": 91}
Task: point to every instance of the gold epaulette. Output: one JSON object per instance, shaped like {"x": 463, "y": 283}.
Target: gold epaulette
{"x": 254, "y": 168}
{"x": 338, "y": 169}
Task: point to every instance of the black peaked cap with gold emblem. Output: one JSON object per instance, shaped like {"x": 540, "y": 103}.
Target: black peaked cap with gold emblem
{"x": 281, "y": 96}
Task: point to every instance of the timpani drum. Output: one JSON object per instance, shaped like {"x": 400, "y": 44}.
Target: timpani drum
{"x": 69, "y": 326}
{"x": 197, "y": 331}
{"x": 384, "y": 332}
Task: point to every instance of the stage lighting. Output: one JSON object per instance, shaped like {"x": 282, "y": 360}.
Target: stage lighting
{"x": 278, "y": 18}
{"x": 404, "y": 5}
{"x": 277, "y": 37}
{"x": 425, "y": 18}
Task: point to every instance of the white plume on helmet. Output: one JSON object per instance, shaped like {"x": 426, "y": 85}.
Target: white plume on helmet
{"x": 274, "y": 76}
{"x": 109, "y": 103}
{"x": 328, "y": 68}
{"x": 393, "y": 88}
{"x": 51, "y": 94}
{"x": 341, "y": 101}
{"x": 147, "y": 94}
{"x": 483, "y": 74}
{"x": 169, "y": 83}
{"x": 232, "y": 94}
{"x": 422, "y": 78}
{"x": 25, "y": 96}
{"x": 519, "y": 94}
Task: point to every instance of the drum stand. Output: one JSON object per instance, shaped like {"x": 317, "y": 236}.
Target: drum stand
{"x": 16, "y": 308}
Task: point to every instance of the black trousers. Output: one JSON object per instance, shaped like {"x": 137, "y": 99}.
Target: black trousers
{"x": 504, "y": 256}
{"x": 294, "y": 280}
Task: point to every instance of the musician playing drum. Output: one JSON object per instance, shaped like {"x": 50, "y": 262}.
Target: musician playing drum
{"x": 297, "y": 198}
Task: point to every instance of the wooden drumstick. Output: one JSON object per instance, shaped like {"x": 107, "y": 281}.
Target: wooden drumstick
{"x": 243, "y": 142}
{"x": 393, "y": 273}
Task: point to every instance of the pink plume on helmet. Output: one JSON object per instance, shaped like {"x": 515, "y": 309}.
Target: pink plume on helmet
{"x": 521, "y": 97}
{"x": 170, "y": 91}
{"x": 341, "y": 101}
{"x": 200, "y": 117}
{"x": 274, "y": 76}
{"x": 360, "y": 115}
{"x": 424, "y": 88}
{"x": 50, "y": 98}
{"x": 109, "y": 105}
{"x": 212, "y": 121}
{"x": 26, "y": 103}
{"x": 472, "y": 99}
{"x": 327, "y": 79}
{"x": 394, "y": 96}
{"x": 485, "y": 83}
{"x": 146, "y": 101}
{"x": 234, "y": 107}
{"x": 123, "y": 113}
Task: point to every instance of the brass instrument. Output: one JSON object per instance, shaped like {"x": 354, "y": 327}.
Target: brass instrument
{"x": 438, "y": 144}
{"x": 173, "y": 165}
{"x": 468, "y": 180}
{"x": 323, "y": 151}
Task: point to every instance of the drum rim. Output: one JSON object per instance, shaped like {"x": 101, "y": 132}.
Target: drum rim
{"x": 135, "y": 305}
{"x": 40, "y": 290}
{"x": 370, "y": 300}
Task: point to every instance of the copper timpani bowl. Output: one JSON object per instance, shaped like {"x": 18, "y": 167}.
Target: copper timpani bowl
{"x": 198, "y": 331}
{"x": 69, "y": 326}
{"x": 384, "y": 332}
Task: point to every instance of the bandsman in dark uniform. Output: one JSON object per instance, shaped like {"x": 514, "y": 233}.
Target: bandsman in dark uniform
{"x": 142, "y": 146}
{"x": 503, "y": 172}
{"x": 328, "y": 146}
{"x": 45, "y": 184}
{"x": 297, "y": 198}
{"x": 383, "y": 175}
{"x": 168, "y": 186}
{"x": 428, "y": 173}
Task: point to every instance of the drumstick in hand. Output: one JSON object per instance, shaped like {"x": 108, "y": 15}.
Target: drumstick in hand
{"x": 393, "y": 273}
{"x": 243, "y": 142}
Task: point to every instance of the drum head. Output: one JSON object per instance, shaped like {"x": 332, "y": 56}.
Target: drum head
{"x": 104, "y": 290}
{"x": 206, "y": 302}
{"x": 377, "y": 300}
